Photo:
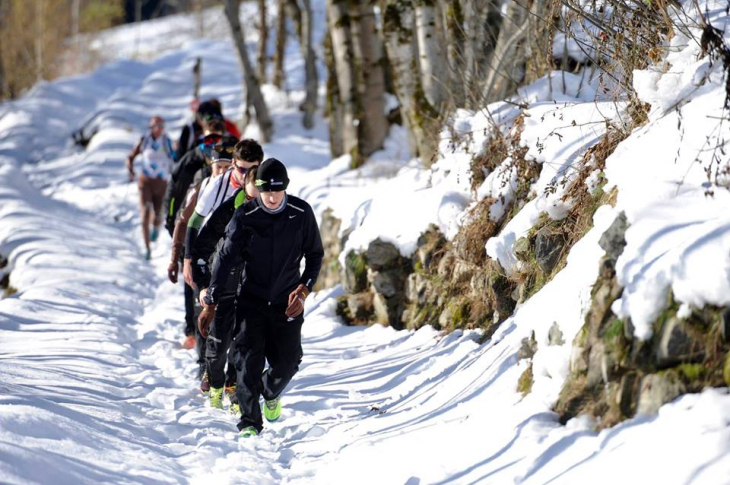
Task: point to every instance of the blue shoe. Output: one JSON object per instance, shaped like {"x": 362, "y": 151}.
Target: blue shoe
{"x": 147, "y": 255}
{"x": 154, "y": 235}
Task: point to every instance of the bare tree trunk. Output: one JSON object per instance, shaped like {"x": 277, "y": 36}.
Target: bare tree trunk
{"x": 420, "y": 118}
{"x": 251, "y": 83}
{"x": 310, "y": 65}
{"x": 370, "y": 78}
{"x": 279, "y": 53}
{"x": 40, "y": 29}
{"x": 263, "y": 41}
{"x": 4, "y": 38}
{"x": 431, "y": 57}
{"x": 75, "y": 8}
{"x": 137, "y": 21}
{"x": 200, "y": 18}
{"x": 508, "y": 59}
{"x": 481, "y": 27}
{"x": 342, "y": 49}
{"x": 196, "y": 77}
{"x": 333, "y": 107}
{"x": 453, "y": 26}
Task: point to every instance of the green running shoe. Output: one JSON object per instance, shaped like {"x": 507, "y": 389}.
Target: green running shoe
{"x": 235, "y": 409}
{"x": 216, "y": 397}
{"x": 154, "y": 235}
{"x": 248, "y": 432}
{"x": 272, "y": 409}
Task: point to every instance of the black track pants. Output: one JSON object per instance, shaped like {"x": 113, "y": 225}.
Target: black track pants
{"x": 219, "y": 339}
{"x": 199, "y": 339}
{"x": 190, "y": 322}
{"x": 265, "y": 334}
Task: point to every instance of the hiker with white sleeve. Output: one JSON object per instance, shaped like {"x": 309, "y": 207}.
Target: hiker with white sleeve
{"x": 157, "y": 157}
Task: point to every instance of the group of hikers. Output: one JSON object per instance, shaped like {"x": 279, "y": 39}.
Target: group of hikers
{"x": 240, "y": 239}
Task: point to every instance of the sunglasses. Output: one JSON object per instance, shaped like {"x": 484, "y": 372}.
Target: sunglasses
{"x": 211, "y": 140}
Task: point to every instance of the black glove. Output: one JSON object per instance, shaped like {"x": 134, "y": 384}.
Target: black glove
{"x": 170, "y": 223}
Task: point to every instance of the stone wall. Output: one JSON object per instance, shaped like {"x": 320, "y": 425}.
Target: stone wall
{"x": 615, "y": 376}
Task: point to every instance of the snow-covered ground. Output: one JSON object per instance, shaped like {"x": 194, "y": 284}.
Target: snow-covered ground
{"x": 95, "y": 387}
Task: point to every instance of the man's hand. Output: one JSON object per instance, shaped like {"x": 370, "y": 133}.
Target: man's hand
{"x": 172, "y": 270}
{"x": 188, "y": 272}
{"x": 205, "y": 319}
{"x": 296, "y": 301}
{"x": 201, "y": 297}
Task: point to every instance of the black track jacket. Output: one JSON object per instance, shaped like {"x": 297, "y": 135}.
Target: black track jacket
{"x": 183, "y": 174}
{"x": 272, "y": 247}
{"x": 207, "y": 242}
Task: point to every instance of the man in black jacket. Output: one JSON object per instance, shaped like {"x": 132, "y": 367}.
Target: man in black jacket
{"x": 246, "y": 157}
{"x": 184, "y": 172}
{"x": 270, "y": 234}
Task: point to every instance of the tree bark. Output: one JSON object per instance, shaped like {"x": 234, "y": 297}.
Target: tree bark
{"x": 482, "y": 26}
{"x": 4, "y": 49}
{"x": 431, "y": 59}
{"x": 75, "y": 10}
{"x": 508, "y": 59}
{"x": 310, "y": 65}
{"x": 342, "y": 50}
{"x": 370, "y": 78}
{"x": 453, "y": 26}
{"x": 196, "y": 77}
{"x": 263, "y": 41}
{"x": 251, "y": 83}
{"x": 279, "y": 53}
{"x": 40, "y": 29}
{"x": 333, "y": 107}
{"x": 420, "y": 118}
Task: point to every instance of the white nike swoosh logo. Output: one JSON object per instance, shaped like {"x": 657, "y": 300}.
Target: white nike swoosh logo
{"x": 292, "y": 217}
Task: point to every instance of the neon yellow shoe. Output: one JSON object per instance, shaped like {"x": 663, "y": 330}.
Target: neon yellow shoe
{"x": 248, "y": 432}
{"x": 272, "y": 409}
{"x": 235, "y": 409}
{"x": 216, "y": 397}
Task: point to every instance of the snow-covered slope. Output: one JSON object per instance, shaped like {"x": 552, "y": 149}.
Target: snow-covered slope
{"x": 95, "y": 387}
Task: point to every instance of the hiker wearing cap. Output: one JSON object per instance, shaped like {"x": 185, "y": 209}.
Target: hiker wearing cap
{"x": 187, "y": 176}
{"x": 157, "y": 158}
{"x": 270, "y": 234}
{"x": 247, "y": 155}
{"x": 219, "y": 188}
{"x": 192, "y": 166}
{"x": 231, "y": 127}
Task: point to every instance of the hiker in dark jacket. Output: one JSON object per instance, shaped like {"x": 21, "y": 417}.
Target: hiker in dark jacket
{"x": 247, "y": 155}
{"x": 192, "y": 133}
{"x": 271, "y": 235}
{"x": 184, "y": 172}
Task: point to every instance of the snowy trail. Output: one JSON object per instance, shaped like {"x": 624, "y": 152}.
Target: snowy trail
{"x": 95, "y": 387}
{"x": 95, "y": 384}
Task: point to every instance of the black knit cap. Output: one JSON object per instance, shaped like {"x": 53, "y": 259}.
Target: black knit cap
{"x": 272, "y": 176}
